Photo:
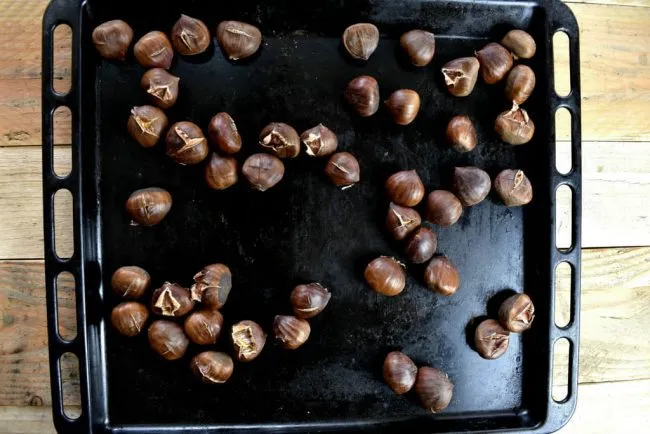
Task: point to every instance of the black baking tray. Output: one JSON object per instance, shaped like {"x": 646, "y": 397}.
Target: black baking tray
{"x": 305, "y": 229}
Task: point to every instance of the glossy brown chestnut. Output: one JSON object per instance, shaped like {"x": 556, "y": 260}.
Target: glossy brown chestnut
{"x": 309, "y": 300}
{"x": 419, "y": 45}
{"x": 248, "y": 339}
{"x": 203, "y": 327}
{"x": 421, "y": 245}
{"x": 212, "y": 367}
{"x": 290, "y": 332}
{"x": 399, "y": 372}
{"x": 223, "y": 131}
{"x": 461, "y": 75}
{"x": 212, "y": 286}
{"x": 171, "y": 300}
{"x": 263, "y": 171}
{"x": 385, "y": 275}
{"x": 471, "y": 185}
{"x": 401, "y": 220}
{"x": 186, "y": 143}
{"x": 146, "y": 124}
{"x": 461, "y": 134}
{"x": 490, "y": 339}
{"x": 495, "y": 62}
{"x": 281, "y": 139}
{"x": 129, "y": 318}
{"x": 161, "y": 86}
{"x": 238, "y": 40}
{"x": 514, "y": 187}
{"x": 405, "y": 188}
{"x": 154, "y": 50}
{"x": 441, "y": 276}
{"x": 130, "y": 282}
{"x": 443, "y": 208}
{"x": 220, "y": 172}
{"x": 190, "y": 36}
{"x": 517, "y": 313}
{"x": 319, "y": 141}
{"x": 362, "y": 93}
{"x": 112, "y": 39}
{"x": 360, "y": 40}
{"x": 167, "y": 339}
{"x": 149, "y": 206}
{"x": 433, "y": 389}
{"x": 403, "y": 106}
{"x": 520, "y": 84}
{"x": 343, "y": 169}
{"x": 515, "y": 126}
{"x": 520, "y": 43}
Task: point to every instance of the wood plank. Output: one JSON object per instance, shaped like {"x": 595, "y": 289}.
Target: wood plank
{"x": 26, "y": 420}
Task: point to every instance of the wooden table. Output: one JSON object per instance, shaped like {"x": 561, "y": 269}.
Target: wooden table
{"x": 614, "y": 392}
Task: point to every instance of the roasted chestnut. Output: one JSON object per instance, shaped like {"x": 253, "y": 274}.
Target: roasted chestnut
{"x": 161, "y": 86}
{"x": 491, "y": 340}
{"x": 520, "y": 43}
{"x": 319, "y": 141}
{"x": 441, "y": 276}
{"x": 190, "y": 36}
{"x": 223, "y": 131}
{"x": 385, "y": 275}
{"x": 186, "y": 143}
{"x": 129, "y": 317}
{"x": 154, "y": 50}
{"x": 517, "y": 313}
{"x": 514, "y": 126}
{"x": 112, "y": 39}
{"x": 238, "y": 40}
{"x": 281, "y": 139}
{"x": 471, "y": 185}
{"x": 403, "y": 106}
{"x": 461, "y": 134}
{"x": 290, "y": 332}
{"x": 433, "y": 389}
{"x": 149, "y": 206}
{"x": 212, "y": 367}
{"x": 248, "y": 339}
{"x": 146, "y": 124}
{"x": 130, "y": 282}
{"x": 401, "y": 221}
{"x": 343, "y": 169}
{"x": 360, "y": 40}
{"x": 171, "y": 300}
{"x": 203, "y": 327}
{"x": 405, "y": 188}
{"x": 495, "y": 62}
{"x": 220, "y": 172}
{"x": 263, "y": 171}
{"x": 167, "y": 339}
{"x": 421, "y": 245}
{"x": 460, "y": 75}
{"x": 513, "y": 187}
{"x": 443, "y": 208}
{"x": 362, "y": 93}
{"x": 309, "y": 300}
{"x": 520, "y": 84}
{"x": 212, "y": 286}
{"x": 419, "y": 45}
{"x": 399, "y": 372}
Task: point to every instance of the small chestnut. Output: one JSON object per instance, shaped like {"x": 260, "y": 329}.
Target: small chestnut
{"x": 248, "y": 339}
{"x": 401, "y": 220}
{"x": 441, "y": 276}
{"x": 112, "y": 39}
{"x": 281, "y": 139}
{"x": 403, "y": 106}
{"x": 167, "y": 339}
{"x": 360, "y": 40}
{"x": 405, "y": 188}
{"x": 461, "y": 134}
{"x": 190, "y": 36}
{"x": 443, "y": 208}
{"x": 212, "y": 367}
{"x": 129, "y": 318}
{"x": 514, "y": 188}
{"x": 212, "y": 286}
{"x": 238, "y": 40}
{"x": 319, "y": 141}
{"x": 461, "y": 75}
{"x": 263, "y": 171}
{"x": 491, "y": 340}
{"x": 520, "y": 84}
{"x": 471, "y": 185}
{"x": 520, "y": 43}
{"x": 495, "y": 62}
{"x": 517, "y": 313}
{"x": 385, "y": 275}
{"x": 421, "y": 245}
{"x": 399, "y": 372}
{"x": 309, "y": 300}
{"x": 149, "y": 206}
{"x": 290, "y": 332}
{"x": 186, "y": 143}
{"x": 154, "y": 50}
{"x": 171, "y": 300}
{"x": 419, "y": 45}
{"x": 130, "y": 282}
{"x": 146, "y": 124}
{"x": 203, "y": 327}
{"x": 362, "y": 93}
{"x": 220, "y": 172}
{"x": 223, "y": 131}
{"x": 433, "y": 389}
{"x": 161, "y": 86}
{"x": 515, "y": 127}
{"x": 343, "y": 169}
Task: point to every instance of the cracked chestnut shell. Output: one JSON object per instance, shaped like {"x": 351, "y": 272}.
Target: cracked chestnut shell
{"x": 520, "y": 43}
{"x": 263, "y": 171}
{"x": 154, "y": 50}
{"x": 401, "y": 221}
{"x": 167, "y": 339}
{"x": 515, "y": 127}
{"x": 319, "y": 141}
{"x": 514, "y": 188}
{"x": 343, "y": 169}
{"x": 309, "y": 300}
{"x": 461, "y": 75}
{"x": 238, "y": 40}
{"x": 399, "y": 372}
{"x": 112, "y": 39}
{"x": 203, "y": 327}
{"x": 161, "y": 86}
{"x": 130, "y": 281}
{"x": 403, "y": 106}
{"x": 471, "y": 185}
{"x": 248, "y": 340}
{"x": 146, "y": 124}
{"x": 190, "y": 36}
{"x": 129, "y": 318}
{"x": 149, "y": 206}
{"x": 362, "y": 93}
{"x": 405, "y": 188}
{"x": 419, "y": 46}
{"x": 172, "y": 300}
{"x": 443, "y": 208}
{"x": 360, "y": 40}
{"x": 520, "y": 84}
{"x": 212, "y": 367}
{"x": 223, "y": 131}
{"x": 281, "y": 139}
{"x": 220, "y": 172}
{"x": 517, "y": 313}
{"x": 421, "y": 245}
{"x": 290, "y": 332}
{"x": 495, "y": 62}
{"x": 385, "y": 275}
{"x": 461, "y": 134}
{"x": 212, "y": 285}
{"x": 490, "y": 339}
{"x": 442, "y": 276}
{"x": 186, "y": 143}
{"x": 434, "y": 389}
